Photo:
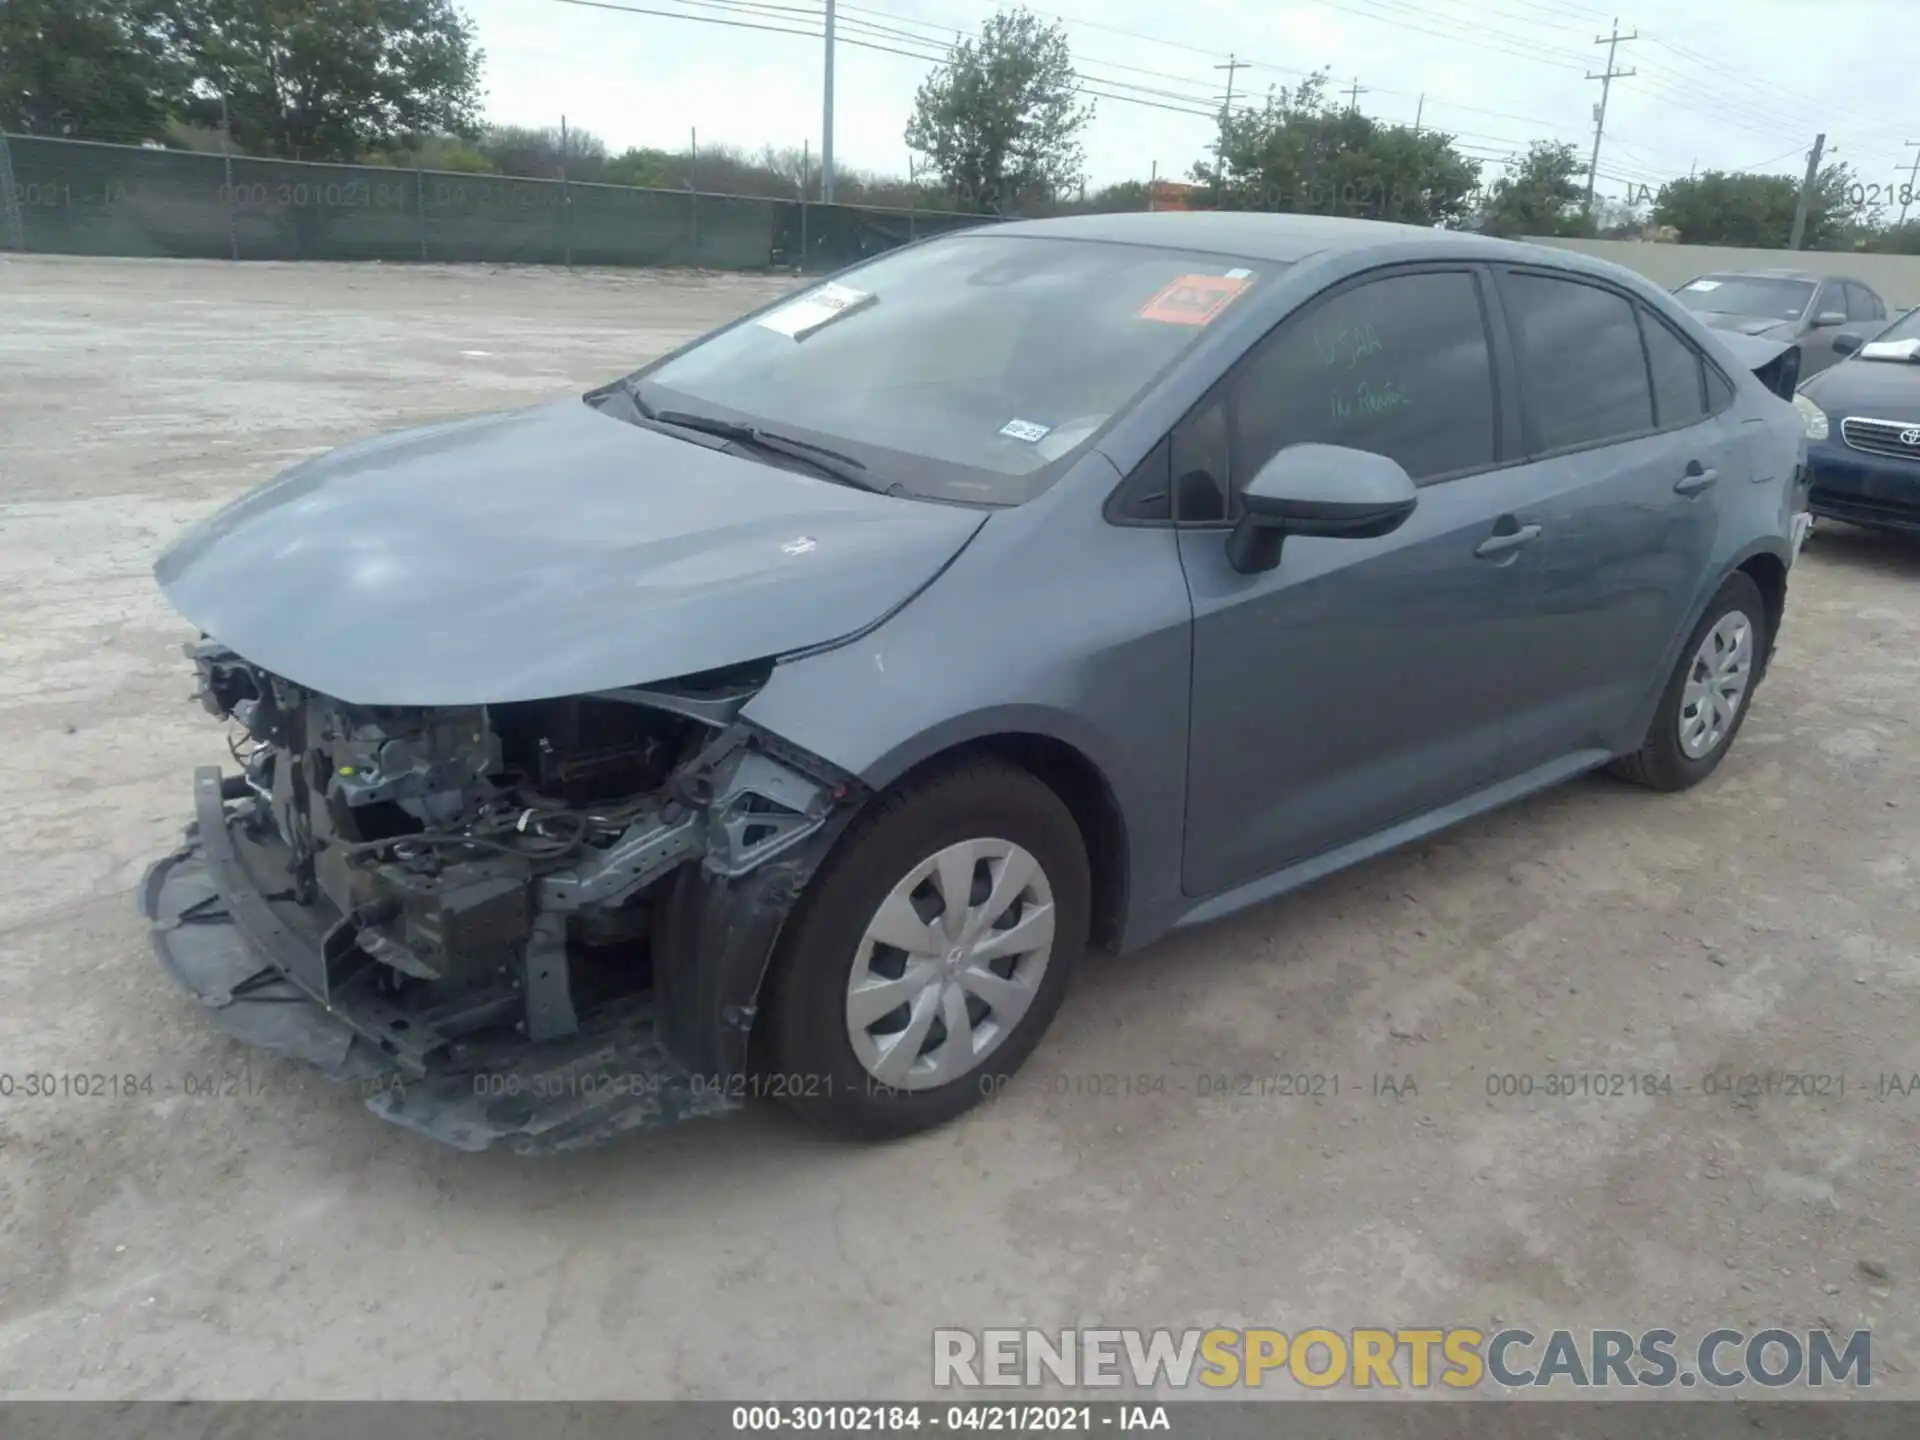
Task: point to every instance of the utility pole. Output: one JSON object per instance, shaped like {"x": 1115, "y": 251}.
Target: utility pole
{"x": 566, "y": 199}
{"x": 1418, "y": 111}
{"x": 1806, "y": 192}
{"x": 1226, "y": 109}
{"x": 10, "y": 200}
{"x": 1913, "y": 178}
{"x": 1606, "y": 79}
{"x": 1226, "y": 105}
{"x": 226, "y": 165}
{"x": 1233, "y": 64}
{"x": 826, "y": 119}
{"x": 1354, "y": 94}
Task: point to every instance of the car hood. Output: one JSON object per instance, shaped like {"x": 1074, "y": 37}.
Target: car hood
{"x": 543, "y": 552}
{"x": 1744, "y": 324}
{"x": 1878, "y": 389}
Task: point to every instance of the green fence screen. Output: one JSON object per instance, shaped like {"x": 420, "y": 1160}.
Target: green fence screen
{"x": 78, "y": 197}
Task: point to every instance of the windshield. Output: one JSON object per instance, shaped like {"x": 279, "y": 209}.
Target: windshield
{"x": 1753, "y": 295}
{"x": 1907, "y": 327}
{"x": 971, "y": 368}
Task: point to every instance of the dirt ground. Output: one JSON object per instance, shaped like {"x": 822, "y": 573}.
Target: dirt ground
{"x": 273, "y": 1239}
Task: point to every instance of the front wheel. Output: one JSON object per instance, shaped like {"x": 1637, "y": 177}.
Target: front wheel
{"x": 930, "y": 952}
{"x": 1707, "y": 696}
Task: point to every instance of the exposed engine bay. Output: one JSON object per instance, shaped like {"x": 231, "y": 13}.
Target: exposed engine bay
{"x": 506, "y": 871}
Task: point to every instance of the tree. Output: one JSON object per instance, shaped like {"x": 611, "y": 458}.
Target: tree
{"x": 1000, "y": 122}
{"x": 541, "y": 154}
{"x": 635, "y": 166}
{"x": 1540, "y": 194}
{"x": 1718, "y": 208}
{"x": 1617, "y": 219}
{"x": 329, "y": 79}
{"x": 1300, "y": 152}
{"x": 90, "y": 69}
{"x": 434, "y": 152}
{"x": 1897, "y": 239}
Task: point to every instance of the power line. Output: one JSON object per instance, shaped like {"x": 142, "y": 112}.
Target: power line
{"x": 769, "y": 16}
{"x": 864, "y": 44}
{"x": 1770, "y": 160}
{"x": 682, "y": 15}
{"x": 1701, "y": 97}
{"x": 1771, "y": 93}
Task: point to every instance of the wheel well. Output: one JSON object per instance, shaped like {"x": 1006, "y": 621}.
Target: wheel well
{"x": 1084, "y": 791}
{"x": 1770, "y": 576}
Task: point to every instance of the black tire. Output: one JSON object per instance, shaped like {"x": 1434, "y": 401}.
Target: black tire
{"x": 1660, "y": 763}
{"x": 805, "y": 1052}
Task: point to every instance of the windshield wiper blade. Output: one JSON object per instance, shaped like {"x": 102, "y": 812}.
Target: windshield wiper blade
{"x": 831, "y": 463}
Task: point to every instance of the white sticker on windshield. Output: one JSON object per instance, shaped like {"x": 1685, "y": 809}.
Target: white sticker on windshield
{"x": 1239, "y": 274}
{"x": 1703, "y": 285}
{"x": 814, "y": 309}
{"x": 1025, "y": 430}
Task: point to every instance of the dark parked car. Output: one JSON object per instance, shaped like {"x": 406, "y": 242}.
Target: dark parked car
{"x": 1809, "y": 310}
{"x": 1863, "y": 430}
{"x": 786, "y": 718}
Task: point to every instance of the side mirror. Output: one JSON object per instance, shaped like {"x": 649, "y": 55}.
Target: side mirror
{"x": 1325, "y": 490}
{"x": 1846, "y": 342}
{"x": 1829, "y": 317}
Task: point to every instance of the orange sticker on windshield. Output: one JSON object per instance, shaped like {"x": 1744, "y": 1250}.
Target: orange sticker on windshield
{"x": 1193, "y": 299}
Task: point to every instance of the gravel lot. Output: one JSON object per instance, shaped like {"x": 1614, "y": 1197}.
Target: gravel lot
{"x": 276, "y": 1240}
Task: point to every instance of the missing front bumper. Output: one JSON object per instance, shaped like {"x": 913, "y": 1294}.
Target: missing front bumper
{"x": 248, "y": 953}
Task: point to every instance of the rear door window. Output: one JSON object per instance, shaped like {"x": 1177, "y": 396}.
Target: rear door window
{"x": 1582, "y": 365}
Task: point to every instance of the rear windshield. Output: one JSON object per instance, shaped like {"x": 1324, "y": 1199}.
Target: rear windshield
{"x": 971, "y": 368}
{"x": 1762, "y": 298}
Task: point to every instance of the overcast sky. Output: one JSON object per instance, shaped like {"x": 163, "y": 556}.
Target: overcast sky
{"x": 1727, "y": 84}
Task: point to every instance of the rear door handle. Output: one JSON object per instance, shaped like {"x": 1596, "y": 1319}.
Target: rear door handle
{"x": 1512, "y": 540}
{"x": 1695, "y": 480}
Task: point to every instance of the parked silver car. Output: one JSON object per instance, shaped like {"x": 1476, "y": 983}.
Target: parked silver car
{"x": 1809, "y": 310}
{"x": 787, "y": 718}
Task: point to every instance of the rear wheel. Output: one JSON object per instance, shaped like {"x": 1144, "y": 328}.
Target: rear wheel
{"x": 1707, "y": 696}
{"x": 930, "y": 953}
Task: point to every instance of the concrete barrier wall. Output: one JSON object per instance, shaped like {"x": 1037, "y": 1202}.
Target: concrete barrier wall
{"x": 1895, "y": 277}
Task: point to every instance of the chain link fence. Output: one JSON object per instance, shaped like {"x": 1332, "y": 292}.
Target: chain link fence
{"x": 78, "y": 197}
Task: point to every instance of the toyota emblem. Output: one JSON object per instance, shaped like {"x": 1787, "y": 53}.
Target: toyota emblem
{"x": 1910, "y": 436}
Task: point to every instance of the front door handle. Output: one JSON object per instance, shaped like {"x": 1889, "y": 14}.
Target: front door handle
{"x": 1695, "y": 480}
{"x": 1512, "y": 540}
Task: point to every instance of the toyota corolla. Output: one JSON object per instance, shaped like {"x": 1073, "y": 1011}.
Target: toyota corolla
{"x": 788, "y": 717}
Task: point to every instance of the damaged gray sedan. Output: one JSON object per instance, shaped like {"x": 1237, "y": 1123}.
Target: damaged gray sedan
{"x": 785, "y": 719}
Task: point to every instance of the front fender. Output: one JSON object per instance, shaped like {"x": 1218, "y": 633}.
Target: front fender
{"x": 1051, "y": 623}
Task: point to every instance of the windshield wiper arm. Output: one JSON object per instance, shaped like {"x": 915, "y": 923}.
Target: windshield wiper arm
{"x": 831, "y": 463}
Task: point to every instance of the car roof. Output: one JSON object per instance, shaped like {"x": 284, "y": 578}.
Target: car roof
{"x": 1774, "y": 274}
{"x": 1263, "y": 235}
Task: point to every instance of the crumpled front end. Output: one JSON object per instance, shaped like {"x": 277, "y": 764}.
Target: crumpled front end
{"x": 536, "y": 924}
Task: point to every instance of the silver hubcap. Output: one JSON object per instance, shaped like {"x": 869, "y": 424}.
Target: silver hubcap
{"x": 1716, "y": 684}
{"x": 949, "y": 963}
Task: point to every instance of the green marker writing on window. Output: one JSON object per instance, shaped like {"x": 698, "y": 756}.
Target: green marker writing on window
{"x": 1368, "y": 398}
{"x": 1344, "y": 348}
